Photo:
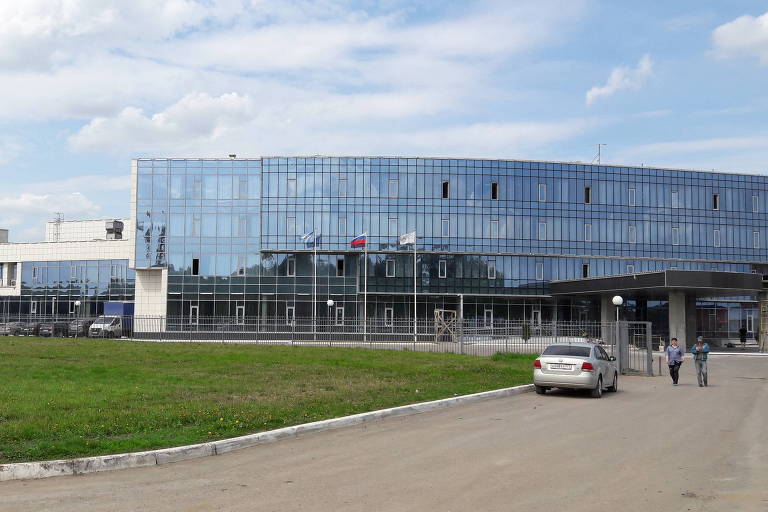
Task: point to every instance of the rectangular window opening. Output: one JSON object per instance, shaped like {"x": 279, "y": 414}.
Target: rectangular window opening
{"x": 587, "y": 195}
{"x": 632, "y": 234}
{"x": 393, "y": 188}
{"x": 585, "y": 270}
{"x": 542, "y": 192}
{"x": 442, "y": 269}
{"x": 494, "y": 190}
{"x": 393, "y": 227}
{"x": 716, "y": 238}
{"x": 342, "y": 226}
{"x": 675, "y": 199}
{"x": 390, "y": 267}
{"x": 494, "y": 229}
{"x": 755, "y": 239}
{"x": 755, "y": 203}
{"x": 675, "y": 236}
{"x": 195, "y": 266}
{"x": 290, "y": 267}
{"x": 342, "y": 188}
{"x": 340, "y": 266}
{"x": 715, "y": 201}
{"x": 539, "y": 270}
{"x": 630, "y": 269}
{"x": 241, "y": 264}
{"x": 291, "y": 187}
{"x": 339, "y": 315}
{"x": 445, "y": 227}
{"x": 389, "y": 317}
{"x": 587, "y": 232}
{"x": 290, "y": 226}
{"x": 542, "y": 231}
{"x": 492, "y": 269}
{"x": 631, "y": 198}
{"x": 446, "y": 190}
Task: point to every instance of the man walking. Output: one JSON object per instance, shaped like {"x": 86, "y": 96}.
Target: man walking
{"x": 743, "y": 337}
{"x": 674, "y": 360}
{"x": 700, "y": 352}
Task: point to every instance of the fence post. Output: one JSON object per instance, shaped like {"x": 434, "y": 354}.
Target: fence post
{"x": 649, "y": 349}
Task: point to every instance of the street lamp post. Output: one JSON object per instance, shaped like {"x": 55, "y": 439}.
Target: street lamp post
{"x": 618, "y": 301}
{"x": 77, "y": 317}
{"x": 329, "y": 303}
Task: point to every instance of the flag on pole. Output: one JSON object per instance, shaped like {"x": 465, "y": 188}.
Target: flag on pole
{"x": 359, "y": 241}
{"x": 408, "y": 238}
{"x": 316, "y": 242}
{"x": 306, "y": 237}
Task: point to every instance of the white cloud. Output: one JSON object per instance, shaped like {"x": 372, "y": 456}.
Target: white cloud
{"x": 25, "y": 214}
{"x": 745, "y": 154}
{"x": 744, "y": 36}
{"x": 622, "y": 78}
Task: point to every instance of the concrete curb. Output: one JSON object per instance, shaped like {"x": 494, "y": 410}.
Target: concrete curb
{"x": 81, "y": 466}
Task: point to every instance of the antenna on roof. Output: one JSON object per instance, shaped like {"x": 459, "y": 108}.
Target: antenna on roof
{"x": 57, "y": 221}
{"x": 599, "y": 154}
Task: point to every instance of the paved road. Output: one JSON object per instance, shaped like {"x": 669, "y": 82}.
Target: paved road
{"x": 651, "y": 447}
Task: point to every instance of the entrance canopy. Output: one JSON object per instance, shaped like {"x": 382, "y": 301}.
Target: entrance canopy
{"x": 658, "y": 285}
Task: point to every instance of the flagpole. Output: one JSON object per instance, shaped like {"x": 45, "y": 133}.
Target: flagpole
{"x": 414, "y": 289}
{"x": 365, "y": 292}
{"x": 314, "y": 285}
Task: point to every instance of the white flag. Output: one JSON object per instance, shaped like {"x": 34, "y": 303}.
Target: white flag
{"x": 408, "y": 238}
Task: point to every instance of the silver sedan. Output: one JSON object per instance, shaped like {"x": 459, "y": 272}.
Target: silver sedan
{"x": 575, "y": 366}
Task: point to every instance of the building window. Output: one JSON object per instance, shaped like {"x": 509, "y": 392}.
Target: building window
{"x": 72, "y": 307}
{"x": 630, "y": 269}
{"x": 675, "y": 199}
{"x": 390, "y": 267}
{"x": 755, "y": 203}
{"x": 290, "y": 226}
{"x": 755, "y": 239}
{"x": 73, "y": 272}
{"x": 445, "y": 190}
{"x": 339, "y": 315}
{"x": 242, "y": 187}
{"x": 715, "y": 201}
{"x": 675, "y": 236}
{"x": 587, "y": 195}
{"x": 389, "y": 317}
{"x": 195, "y": 266}
{"x": 241, "y": 263}
{"x": 587, "y": 232}
{"x": 491, "y": 269}
{"x": 445, "y": 227}
{"x": 340, "y": 266}
{"x": 114, "y": 272}
{"x": 290, "y": 267}
{"x": 291, "y": 187}
{"x": 442, "y": 269}
{"x": 195, "y": 225}
{"x": 631, "y": 198}
{"x": 35, "y": 274}
{"x": 542, "y": 192}
{"x": 33, "y": 307}
{"x": 342, "y": 225}
{"x": 585, "y": 270}
{"x": 716, "y": 238}
{"x": 290, "y": 315}
{"x": 632, "y": 234}
{"x": 393, "y": 226}
{"x": 494, "y": 229}
{"x": 242, "y": 225}
{"x": 539, "y": 270}
{"x": 542, "y": 230}
{"x": 197, "y": 187}
{"x": 393, "y": 188}
{"x": 342, "y": 187}
{"x": 494, "y": 190}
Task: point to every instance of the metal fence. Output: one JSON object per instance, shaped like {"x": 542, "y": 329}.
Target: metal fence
{"x": 629, "y": 342}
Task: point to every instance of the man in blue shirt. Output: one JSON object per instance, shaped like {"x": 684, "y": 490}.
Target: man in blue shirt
{"x": 700, "y": 352}
{"x": 674, "y": 360}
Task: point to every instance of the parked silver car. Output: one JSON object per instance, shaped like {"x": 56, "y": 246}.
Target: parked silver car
{"x": 577, "y": 366}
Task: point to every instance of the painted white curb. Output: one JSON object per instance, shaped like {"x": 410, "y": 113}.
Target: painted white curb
{"x": 45, "y": 469}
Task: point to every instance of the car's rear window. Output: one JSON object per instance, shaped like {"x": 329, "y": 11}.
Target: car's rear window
{"x": 566, "y": 350}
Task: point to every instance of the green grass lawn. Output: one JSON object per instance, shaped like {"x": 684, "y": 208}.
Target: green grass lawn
{"x": 63, "y": 398}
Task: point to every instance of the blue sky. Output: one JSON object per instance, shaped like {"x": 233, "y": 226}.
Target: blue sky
{"x": 88, "y": 85}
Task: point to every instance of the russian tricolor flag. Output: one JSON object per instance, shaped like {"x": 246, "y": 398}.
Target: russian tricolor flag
{"x": 359, "y": 241}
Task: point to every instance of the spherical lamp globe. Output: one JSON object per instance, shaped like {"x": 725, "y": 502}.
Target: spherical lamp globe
{"x": 617, "y": 300}
{"x": 330, "y": 303}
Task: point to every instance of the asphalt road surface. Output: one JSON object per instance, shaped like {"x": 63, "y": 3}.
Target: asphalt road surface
{"x": 650, "y": 447}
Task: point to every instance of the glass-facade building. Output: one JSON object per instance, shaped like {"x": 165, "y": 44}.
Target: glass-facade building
{"x": 67, "y": 288}
{"x": 491, "y": 233}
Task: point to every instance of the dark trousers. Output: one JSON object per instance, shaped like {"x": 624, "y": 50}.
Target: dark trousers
{"x": 674, "y": 371}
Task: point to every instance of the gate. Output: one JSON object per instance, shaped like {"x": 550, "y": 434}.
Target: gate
{"x": 630, "y": 343}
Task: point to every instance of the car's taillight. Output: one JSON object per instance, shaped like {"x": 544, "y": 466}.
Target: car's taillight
{"x": 537, "y": 364}
{"x": 587, "y": 367}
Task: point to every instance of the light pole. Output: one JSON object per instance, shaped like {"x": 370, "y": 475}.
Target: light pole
{"x": 77, "y": 317}
{"x": 618, "y": 301}
{"x": 329, "y": 303}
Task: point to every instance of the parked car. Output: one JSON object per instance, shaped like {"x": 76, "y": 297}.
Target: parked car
{"x": 577, "y": 366}
{"x": 79, "y": 328}
{"x": 54, "y": 329}
{"x": 30, "y": 329}
{"x": 4, "y": 329}
{"x": 14, "y": 328}
{"x": 106, "y": 327}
